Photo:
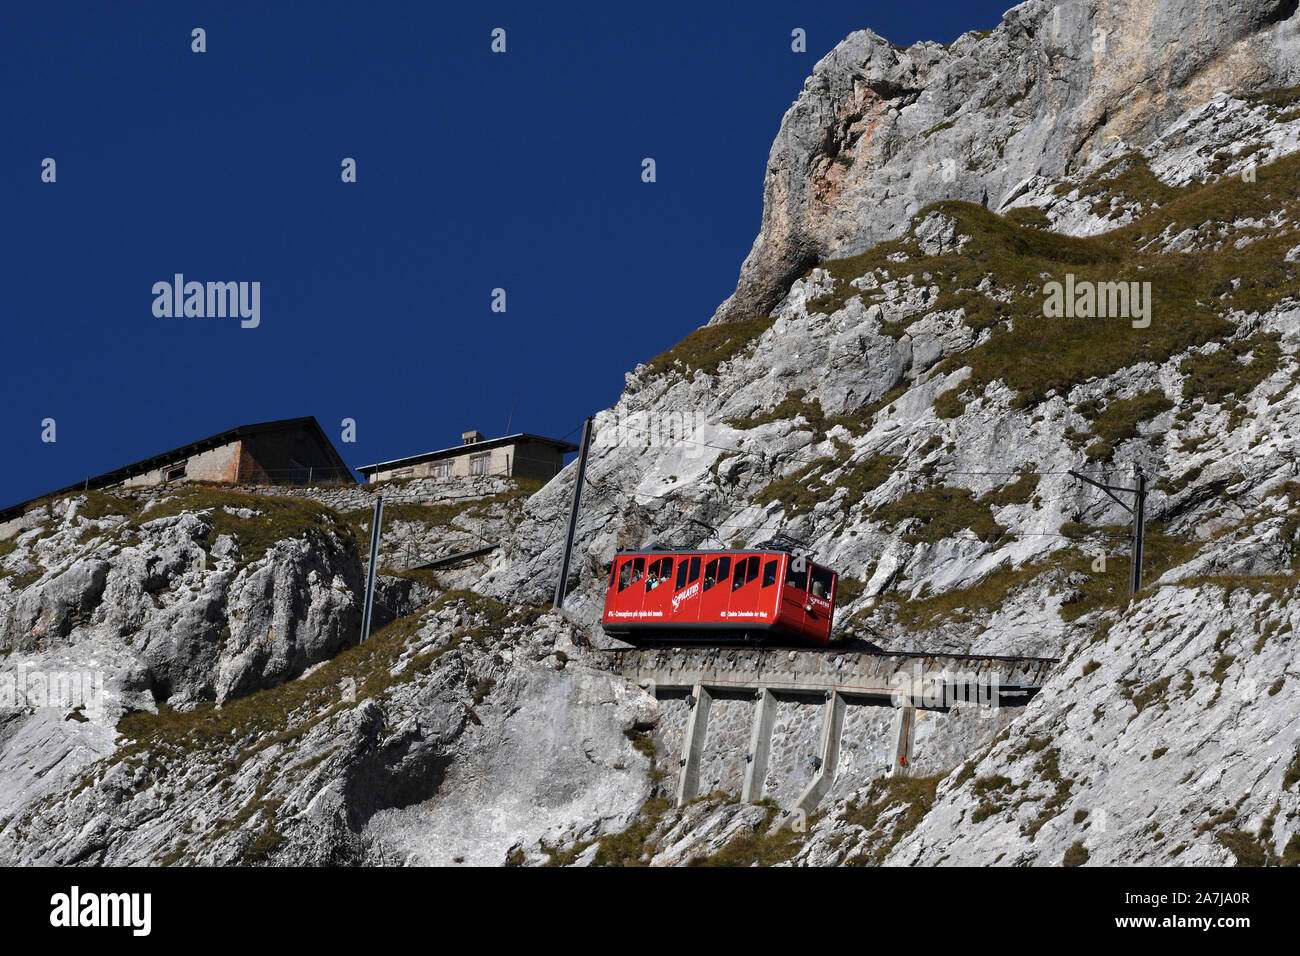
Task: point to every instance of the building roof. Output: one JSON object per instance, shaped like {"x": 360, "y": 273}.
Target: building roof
{"x": 473, "y": 448}
{"x": 110, "y": 478}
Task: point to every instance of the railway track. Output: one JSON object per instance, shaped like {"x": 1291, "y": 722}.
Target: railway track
{"x": 858, "y": 647}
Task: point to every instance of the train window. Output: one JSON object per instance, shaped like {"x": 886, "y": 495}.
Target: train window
{"x": 796, "y": 579}
{"x": 625, "y": 576}
{"x": 660, "y": 571}
{"x": 695, "y": 570}
{"x": 738, "y": 579}
{"x": 711, "y": 574}
{"x": 751, "y": 568}
{"x": 681, "y": 576}
{"x": 613, "y": 568}
{"x": 821, "y": 582}
{"x": 769, "y": 573}
{"x": 638, "y": 569}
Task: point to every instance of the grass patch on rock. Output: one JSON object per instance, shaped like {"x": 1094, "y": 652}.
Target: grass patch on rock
{"x": 760, "y": 846}
{"x": 939, "y": 512}
{"x": 706, "y": 349}
{"x": 1192, "y": 291}
{"x": 889, "y": 810}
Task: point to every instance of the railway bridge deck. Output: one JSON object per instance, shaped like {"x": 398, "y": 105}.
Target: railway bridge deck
{"x": 840, "y": 680}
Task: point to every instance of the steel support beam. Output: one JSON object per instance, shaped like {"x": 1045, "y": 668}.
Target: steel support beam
{"x": 375, "y": 524}
{"x": 562, "y": 583}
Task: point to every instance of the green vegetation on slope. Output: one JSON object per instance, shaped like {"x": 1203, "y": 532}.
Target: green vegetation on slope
{"x": 441, "y": 516}
{"x": 1119, "y": 420}
{"x": 760, "y": 846}
{"x": 938, "y": 512}
{"x": 799, "y": 491}
{"x": 707, "y": 348}
{"x": 280, "y": 517}
{"x": 275, "y": 518}
{"x": 794, "y": 405}
{"x": 1034, "y": 355}
{"x": 1123, "y": 181}
{"x": 890, "y": 809}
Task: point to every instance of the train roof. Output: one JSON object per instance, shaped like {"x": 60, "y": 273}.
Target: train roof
{"x": 667, "y": 552}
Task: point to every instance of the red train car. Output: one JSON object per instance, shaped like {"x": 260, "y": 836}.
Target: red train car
{"x": 718, "y": 595}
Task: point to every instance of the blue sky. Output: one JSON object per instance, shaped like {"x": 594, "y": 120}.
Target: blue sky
{"x": 475, "y": 171}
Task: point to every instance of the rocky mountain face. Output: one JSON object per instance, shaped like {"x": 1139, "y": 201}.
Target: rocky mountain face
{"x": 907, "y": 408}
{"x": 181, "y": 682}
{"x": 1071, "y": 244}
{"x": 880, "y": 131}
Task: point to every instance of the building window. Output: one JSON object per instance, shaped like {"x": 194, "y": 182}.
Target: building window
{"x": 478, "y": 464}
{"x": 175, "y": 473}
{"x": 440, "y": 469}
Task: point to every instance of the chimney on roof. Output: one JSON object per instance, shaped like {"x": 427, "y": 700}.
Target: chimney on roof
{"x": 471, "y": 437}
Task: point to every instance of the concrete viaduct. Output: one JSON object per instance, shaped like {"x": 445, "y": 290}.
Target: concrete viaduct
{"x": 831, "y": 680}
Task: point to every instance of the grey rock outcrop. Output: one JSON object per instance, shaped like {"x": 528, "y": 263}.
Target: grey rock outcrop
{"x": 197, "y": 622}
{"x": 880, "y": 131}
{"x": 389, "y": 754}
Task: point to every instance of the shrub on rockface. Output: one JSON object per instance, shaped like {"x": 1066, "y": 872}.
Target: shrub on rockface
{"x": 939, "y": 512}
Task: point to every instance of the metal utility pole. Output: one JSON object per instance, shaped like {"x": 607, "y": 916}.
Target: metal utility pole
{"x": 1139, "y": 522}
{"x": 573, "y": 514}
{"x": 375, "y": 524}
{"x": 1138, "y": 511}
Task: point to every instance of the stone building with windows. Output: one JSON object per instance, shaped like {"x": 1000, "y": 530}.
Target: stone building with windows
{"x": 288, "y": 451}
{"x": 512, "y": 456}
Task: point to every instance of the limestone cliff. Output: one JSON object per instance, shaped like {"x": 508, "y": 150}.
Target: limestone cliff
{"x": 880, "y": 131}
